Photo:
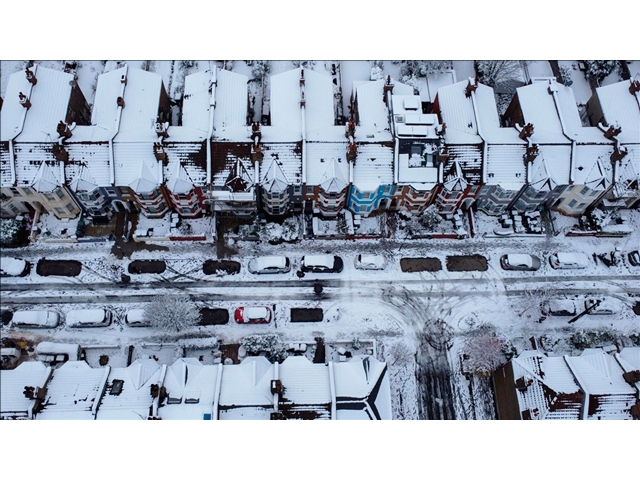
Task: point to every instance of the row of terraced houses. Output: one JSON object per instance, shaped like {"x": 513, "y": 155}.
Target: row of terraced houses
{"x": 396, "y": 152}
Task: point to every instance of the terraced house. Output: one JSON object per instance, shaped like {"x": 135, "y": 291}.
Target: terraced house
{"x": 41, "y": 109}
{"x": 399, "y": 151}
{"x": 616, "y": 110}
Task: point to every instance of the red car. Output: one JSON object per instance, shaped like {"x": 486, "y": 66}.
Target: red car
{"x": 253, "y": 315}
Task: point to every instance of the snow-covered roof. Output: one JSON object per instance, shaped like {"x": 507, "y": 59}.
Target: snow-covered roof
{"x": 231, "y": 100}
{"x": 190, "y": 388}
{"x": 305, "y": 383}
{"x": 281, "y": 165}
{"x": 592, "y": 166}
{"x": 621, "y": 107}
{"x": 136, "y": 166}
{"x": 539, "y": 109}
{"x": 412, "y": 172}
{"x": 13, "y": 402}
{"x": 487, "y": 116}
{"x": 49, "y": 99}
{"x": 548, "y": 390}
{"x": 456, "y": 110}
{"x": 362, "y": 385}
{"x": 105, "y": 107}
{"x": 318, "y": 93}
{"x": 551, "y": 167}
{"x": 47, "y": 179}
{"x": 505, "y": 166}
{"x": 285, "y": 105}
{"x": 135, "y": 400}
{"x": 327, "y": 166}
{"x": 178, "y": 180}
{"x": 141, "y": 105}
{"x": 373, "y": 113}
{"x": 89, "y": 166}
{"x": 196, "y": 101}
{"x": 247, "y": 384}
{"x": 607, "y": 395}
{"x": 73, "y": 391}
{"x": 373, "y": 166}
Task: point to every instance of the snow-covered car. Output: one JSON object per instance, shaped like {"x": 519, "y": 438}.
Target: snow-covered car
{"x": 519, "y": 261}
{"x": 276, "y": 264}
{"x": 370, "y": 262}
{"x": 321, "y": 264}
{"x": 634, "y": 258}
{"x": 568, "y": 260}
{"x": 14, "y": 267}
{"x": 93, "y": 317}
{"x": 559, "y": 307}
{"x": 135, "y": 318}
{"x": 253, "y": 315}
{"x": 35, "y": 319}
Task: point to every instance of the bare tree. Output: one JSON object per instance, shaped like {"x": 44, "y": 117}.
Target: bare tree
{"x": 496, "y": 73}
{"x": 400, "y": 354}
{"x": 171, "y": 314}
{"x": 533, "y": 298}
{"x": 483, "y": 352}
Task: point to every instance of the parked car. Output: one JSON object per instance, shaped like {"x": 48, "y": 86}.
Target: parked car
{"x": 14, "y": 267}
{"x": 260, "y": 265}
{"x": 634, "y": 258}
{"x": 321, "y": 264}
{"x": 370, "y": 262}
{"x": 253, "y": 315}
{"x": 35, "y": 319}
{"x": 568, "y": 260}
{"x": 93, "y": 317}
{"x": 135, "y": 318}
{"x": 518, "y": 261}
{"x": 559, "y": 307}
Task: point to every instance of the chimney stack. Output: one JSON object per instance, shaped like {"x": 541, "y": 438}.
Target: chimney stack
{"x": 24, "y": 101}
{"x": 31, "y": 78}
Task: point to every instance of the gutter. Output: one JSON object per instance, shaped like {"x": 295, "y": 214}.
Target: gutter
{"x": 103, "y": 386}
{"x": 112, "y": 171}
{"x": 12, "y": 154}
{"x": 156, "y": 401}
{"x": 212, "y": 108}
{"x": 395, "y": 161}
{"x": 332, "y": 385}
{"x": 216, "y": 393}
{"x": 554, "y": 92}
{"x": 484, "y": 142}
{"x": 275, "y": 395}
{"x": 585, "y": 403}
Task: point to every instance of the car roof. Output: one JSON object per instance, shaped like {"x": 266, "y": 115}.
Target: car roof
{"x": 372, "y": 259}
{"x": 260, "y": 263}
{"x": 12, "y": 266}
{"x": 568, "y": 257}
{"x": 93, "y": 315}
{"x": 256, "y": 312}
{"x": 520, "y": 259}
{"x": 319, "y": 261}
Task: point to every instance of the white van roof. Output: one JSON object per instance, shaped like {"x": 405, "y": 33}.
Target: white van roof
{"x": 266, "y": 262}
{"x": 36, "y": 318}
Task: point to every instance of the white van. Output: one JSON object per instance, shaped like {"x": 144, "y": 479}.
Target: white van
{"x": 93, "y": 317}
{"x": 35, "y": 319}
{"x": 135, "y": 318}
